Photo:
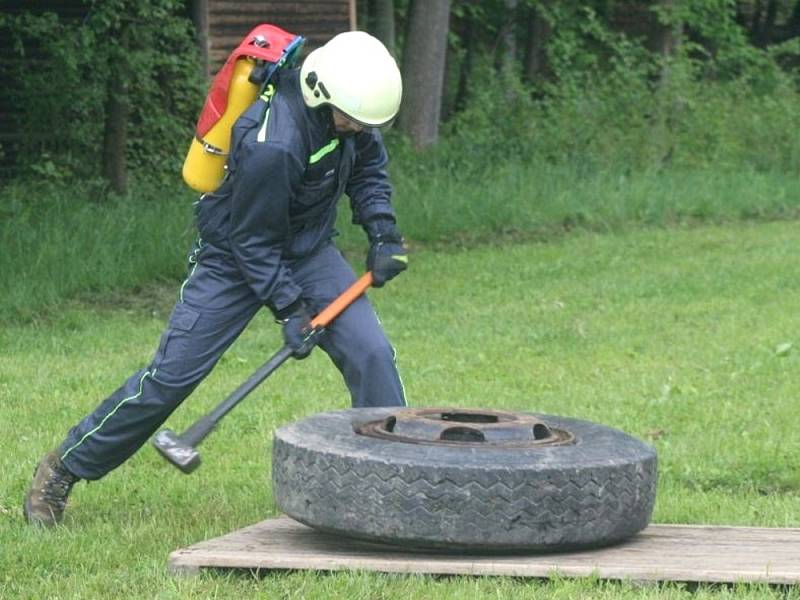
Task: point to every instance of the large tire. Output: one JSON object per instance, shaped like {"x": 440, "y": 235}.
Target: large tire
{"x": 595, "y": 491}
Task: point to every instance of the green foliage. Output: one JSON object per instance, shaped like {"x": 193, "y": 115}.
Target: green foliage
{"x": 607, "y": 102}
{"x": 612, "y": 104}
{"x": 142, "y": 52}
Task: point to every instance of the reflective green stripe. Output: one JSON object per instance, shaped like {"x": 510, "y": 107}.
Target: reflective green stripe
{"x": 403, "y": 258}
{"x": 268, "y": 92}
{"x": 116, "y": 408}
{"x": 192, "y": 261}
{"x": 400, "y": 379}
{"x": 330, "y": 147}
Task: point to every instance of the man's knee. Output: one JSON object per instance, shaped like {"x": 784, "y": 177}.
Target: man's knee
{"x": 374, "y": 353}
{"x": 171, "y": 387}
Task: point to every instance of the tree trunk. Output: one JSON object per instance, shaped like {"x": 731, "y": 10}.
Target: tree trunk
{"x": 766, "y": 26}
{"x": 199, "y": 10}
{"x": 382, "y": 22}
{"x": 669, "y": 36}
{"x": 451, "y": 61}
{"x": 667, "y": 40}
{"x": 538, "y": 32}
{"x": 467, "y": 62}
{"x": 794, "y": 22}
{"x": 755, "y": 24}
{"x": 115, "y": 136}
{"x": 508, "y": 38}
{"x": 423, "y": 70}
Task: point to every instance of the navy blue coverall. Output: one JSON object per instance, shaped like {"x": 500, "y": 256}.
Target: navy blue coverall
{"x": 265, "y": 238}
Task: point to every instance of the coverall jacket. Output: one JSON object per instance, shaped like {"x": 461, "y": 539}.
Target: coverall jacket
{"x": 265, "y": 238}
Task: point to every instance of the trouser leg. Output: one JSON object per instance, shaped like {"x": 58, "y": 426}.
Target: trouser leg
{"x": 214, "y": 307}
{"x": 355, "y": 341}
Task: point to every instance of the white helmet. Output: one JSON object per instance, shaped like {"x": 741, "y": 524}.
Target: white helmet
{"x": 355, "y": 74}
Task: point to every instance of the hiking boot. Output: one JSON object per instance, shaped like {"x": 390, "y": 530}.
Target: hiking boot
{"x": 47, "y": 496}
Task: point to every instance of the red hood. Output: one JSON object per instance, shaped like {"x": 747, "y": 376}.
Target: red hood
{"x": 217, "y": 99}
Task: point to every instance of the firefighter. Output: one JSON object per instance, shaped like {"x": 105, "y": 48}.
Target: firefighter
{"x": 266, "y": 239}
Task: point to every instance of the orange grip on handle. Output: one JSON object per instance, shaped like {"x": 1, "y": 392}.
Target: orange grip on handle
{"x": 335, "y": 308}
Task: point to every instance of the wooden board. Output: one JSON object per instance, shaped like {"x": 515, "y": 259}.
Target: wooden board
{"x": 660, "y": 553}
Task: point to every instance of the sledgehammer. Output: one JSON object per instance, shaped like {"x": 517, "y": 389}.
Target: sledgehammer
{"x": 181, "y": 450}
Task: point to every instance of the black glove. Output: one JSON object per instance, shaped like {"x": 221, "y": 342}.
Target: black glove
{"x": 297, "y": 330}
{"x": 387, "y": 257}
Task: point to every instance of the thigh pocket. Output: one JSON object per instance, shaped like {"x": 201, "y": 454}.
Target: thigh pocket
{"x": 172, "y": 350}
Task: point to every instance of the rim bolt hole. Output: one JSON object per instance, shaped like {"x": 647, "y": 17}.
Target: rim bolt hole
{"x": 541, "y": 432}
{"x": 462, "y": 434}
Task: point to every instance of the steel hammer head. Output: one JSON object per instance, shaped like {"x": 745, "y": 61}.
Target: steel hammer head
{"x": 176, "y": 450}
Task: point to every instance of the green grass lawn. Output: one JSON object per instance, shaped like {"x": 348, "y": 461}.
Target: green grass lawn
{"x": 687, "y": 338}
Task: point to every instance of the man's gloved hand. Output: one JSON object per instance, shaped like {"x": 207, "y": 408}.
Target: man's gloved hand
{"x": 387, "y": 257}
{"x": 297, "y": 330}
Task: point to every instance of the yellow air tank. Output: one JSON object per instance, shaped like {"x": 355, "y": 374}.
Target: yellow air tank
{"x": 204, "y": 166}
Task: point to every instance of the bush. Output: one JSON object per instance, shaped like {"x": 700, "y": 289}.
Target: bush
{"x": 611, "y": 104}
{"x": 142, "y": 52}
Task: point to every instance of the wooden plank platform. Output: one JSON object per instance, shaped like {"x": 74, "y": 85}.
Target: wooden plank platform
{"x": 659, "y": 553}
